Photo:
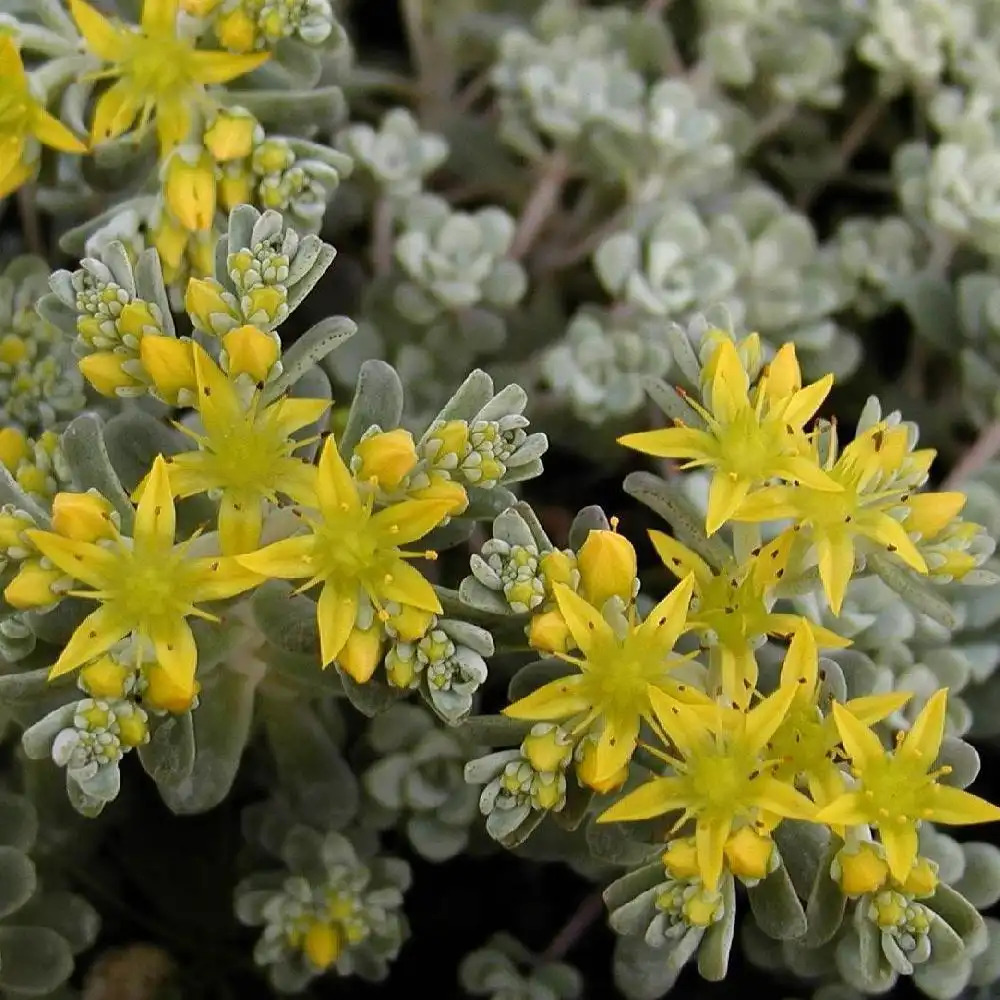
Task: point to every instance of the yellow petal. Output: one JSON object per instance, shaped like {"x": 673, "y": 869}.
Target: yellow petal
{"x": 804, "y": 404}
{"x": 336, "y": 613}
{"x": 556, "y": 700}
{"x": 32, "y": 586}
{"x": 892, "y": 534}
{"x": 584, "y": 622}
{"x": 289, "y": 559}
{"x": 114, "y": 113}
{"x": 861, "y": 744}
{"x": 93, "y": 564}
{"x": 297, "y": 480}
{"x": 101, "y": 36}
{"x": 836, "y": 566}
{"x": 807, "y": 472}
{"x": 386, "y": 458}
{"x": 901, "y": 848}
{"x": 672, "y": 442}
{"x": 253, "y": 352}
{"x": 730, "y": 382}
{"x": 615, "y": 746}
{"x": 219, "y": 577}
{"x": 784, "y": 377}
{"x": 84, "y": 517}
{"x": 668, "y": 619}
{"x": 335, "y": 486}
{"x": 406, "y": 585}
{"x": 173, "y": 124}
{"x": 763, "y": 720}
{"x": 221, "y": 67}
{"x": 361, "y": 653}
{"x": 872, "y": 708}
{"x": 96, "y": 634}
{"x": 104, "y": 372}
{"x": 725, "y": 495}
{"x": 175, "y": 649}
{"x": 13, "y": 171}
{"x": 11, "y": 66}
{"x": 773, "y": 503}
{"x": 47, "y": 129}
{"x": 960, "y": 808}
{"x": 781, "y": 798}
{"x": 801, "y": 665}
{"x": 291, "y": 414}
{"x": 241, "y": 516}
{"x": 190, "y": 472}
{"x": 679, "y": 559}
{"x": 155, "y": 517}
{"x": 710, "y": 836}
{"x": 402, "y": 523}
{"x": 189, "y": 189}
{"x": 654, "y": 798}
{"x": 218, "y": 403}
{"x": 682, "y": 724}
{"x": 159, "y": 17}
{"x": 848, "y": 809}
{"x": 923, "y": 741}
{"x": 930, "y": 513}
{"x": 170, "y": 364}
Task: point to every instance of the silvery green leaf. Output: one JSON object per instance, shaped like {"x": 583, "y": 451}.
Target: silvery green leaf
{"x": 168, "y": 757}
{"x": 305, "y": 284}
{"x": 485, "y": 329}
{"x": 371, "y": 697}
{"x": 611, "y": 842}
{"x": 980, "y": 882}
{"x": 513, "y": 835}
{"x": 588, "y": 519}
{"x": 616, "y": 259}
{"x": 802, "y": 846}
{"x": 634, "y": 916}
{"x": 475, "y": 595}
{"x": 468, "y": 399}
{"x": 776, "y": 908}
{"x": 87, "y": 456}
{"x": 945, "y": 980}
{"x": 133, "y": 439}
{"x": 33, "y": 960}
{"x": 27, "y": 686}
{"x": 641, "y": 972}
{"x": 687, "y": 361}
{"x": 287, "y": 619}
{"x": 52, "y": 309}
{"x": 307, "y": 352}
{"x": 67, "y": 914}
{"x": 533, "y": 675}
{"x": 456, "y": 532}
{"x": 17, "y": 880}
{"x": 619, "y": 892}
{"x": 510, "y": 399}
{"x": 18, "y": 821}
{"x": 149, "y": 286}
{"x": 826, "y": 904}
{"x": 912, "y": 589}
{"x": 82, "y": 801}
{"x": 669, "y": 400}
{"x": 962, "y": 758}
{"x": 512, "y": 528}
{"x": 494, "y": 730}
{"x": 713, "y": 953}
{"x": 378, "y": 400}
{"x": 946, "y": 945}
{"x": 289, "y": 108}
{"x": 37, "y": 740}
{"x": 221, "y": 729}
{"x": 959, "y": 914}
{"x": 11, "y": 493}
{"x": 860, "y": 960}
{"x": 435, "y": 840}
{"x": 929, "y": 301}
{"x": 484, "y": 505}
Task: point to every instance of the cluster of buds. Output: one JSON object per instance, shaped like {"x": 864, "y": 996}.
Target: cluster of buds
{"x": 245, "y": 25}
{"x": 38, "y": 465}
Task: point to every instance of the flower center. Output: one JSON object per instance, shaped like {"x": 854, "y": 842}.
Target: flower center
{"x": 896, "y": 788}
{"x": 246, "y": 456}
{"x": 803, "y": 741}
{"x": 157, "y": 67}
{"x": 719, "y": 779}
{"x": 747, "y": 444}
{"x": 151, "y": 585}
{"x": 617, "y": 676}
{"x": 348, "y": 549}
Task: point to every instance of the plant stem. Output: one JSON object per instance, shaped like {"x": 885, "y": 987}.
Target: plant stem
{"x": 541, "y": 204}
{"x": 383, "y": 218}
{"x": 578, "y": 924}
{"x": 982, "y": 452}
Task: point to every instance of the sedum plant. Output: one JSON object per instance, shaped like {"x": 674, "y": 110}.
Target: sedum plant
{"x": 518, "y": 449}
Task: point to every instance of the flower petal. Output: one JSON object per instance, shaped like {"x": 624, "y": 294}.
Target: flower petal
{"x": 762, "y": 720}
{"x": 96, "y": 634}
{"x": 773, "y": 503}
{"x": 221, "y": 67}
{"x": 781, "y": 798}
{"x": 848, "y": 809}
{"x": 725, "y": 494}
{"x": 297, "y": 480}
{"x": 801, "y": 664}
{"x": 218, "y": 404}
{"x": 861, "y": 744}
{"x": 336, "y": 613}
{"x": 405, "y": 584}
{"x": 807, "y": 472}
{"x": 176, "y": 650}
{"x": 615, "y": 746}
{"x": 241, "y": 516}
{"x": 672, "y": 442}
{"x": 219, "y": 577}
{"x": 155, "y": 517}
{"x": 159, "y": 17}
{"x": 710, "y": 836}
{"x": 835, "y": 554}
{"x": 890, "y": 533}
{"x": 901, "y": 848}
{"x": 48, "y": 130}
{"x": 654, "y": 798}
{"x": 173, "y": 124}
{"x": 682, "y": 724}
{"x": 872, "y": 708}
{"x": 95, "y": 565}
{"x": 923, "y": 741}
{"x": 803, "y": 404}
{"x": 101, "y": 36}
{"x": 335, "y": 486}
{"x": 190, "y": 472}
{"x": 730, "y": 382}
{"x": 679, "y": 559}
{"x": 289, "y": 559}
{"x": 583, "y": 621}
{"x": 405, "y": 522}
{"x": 290, "y": 415}
{"x": 11, "y": 65}
{"x": 558, "y": 699}
{"x": 13, "y": 170}
{"x": 957, "y": 807}
{"x": 667, "y": 620}
{"x": 114, "y": 113}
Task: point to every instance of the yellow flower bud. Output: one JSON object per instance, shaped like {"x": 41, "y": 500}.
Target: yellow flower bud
{"x": 322, "y": 944}
{"x": 137, "y": 320}
{"x": 32, "y": 587}
{"x": 703, "y": 908}
{"x": 163, "y": 693}
{"x": 361, "y": 653}
{"x": 104, "y": 372}
{"x": 400, "y": 671}
{"x": 235, "y": 188}
{"x": 557, "y": 567}
{"x": 273, "y": 156}
{"x": 13, "y": 448}
{"x": 33, "y": 480}
{"x": 236, "y": 30}
{"x": 205, "y": 305}
{"x": 96, "y": 717}
{"x": 889, "y": 909}
{"x": 548, "y": 794}
{"x": 85, "y": 517}
{"x": 749, "y": 854}
{"x": 549, "y": 633}
{"x": 133, "y": 731}
{"x": 923, "y": 878}
{"x": 547, "y": 748}
{"x": 267, "y": 299}
{"x": 13, "y": 349}
{"x": 230, "y": 136}
{"x": 608, "y": 567}
{"x": 680, "y": 859}
{"x": 442, "y": 488}
{"x": 12, "y": 527}
{"x": 586, "y": 770}
{"x": 201, "y": 253}
{"x": 387, "y": 457}
{"x": 105, "y": 678}
{"x": 928, "y": 514}
{"x": 862, "y": 870}
{"x": 169, "y": 362}
{"x": 170, "y": 240}
{"x": 250, "y": 351}
{"x": 450, "y": 439}
{"x": 410, "y": 623}
{"x": 189, "y": 190}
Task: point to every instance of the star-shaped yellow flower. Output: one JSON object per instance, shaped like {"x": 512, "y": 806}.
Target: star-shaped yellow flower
{"x": 147, "y": 585}
{"x": 159, "y": 72}
{"x": 23, "y": 119}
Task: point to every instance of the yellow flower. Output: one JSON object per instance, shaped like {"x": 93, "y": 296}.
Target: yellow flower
{"x": 250, "y": 351}
{"x": 608, "y": 567}
{"x": 805, "y": 742}
{"x": 386, "y": 458}
{"x": 105, "y": 373}
{"x": 189, "y": 188}
{"x": 159, "y": 72}
{"x": 749, "y": 437}
{"x": 23, "y": 119}
{"x": 609, "y": 688}
{"x": 230, "y": 135}
{"x": 106, "y": 678}
{"x": 722, "y": 778}
{"x": 897, "y": 790}
{"x": 835, "y": 521}
{"x": 169, "y": 363}
{"x": 245, "y": 452}
{"x": 352, "y": 552}
{"x": 732, "y": 610}
{"x": 146, "y": 585}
